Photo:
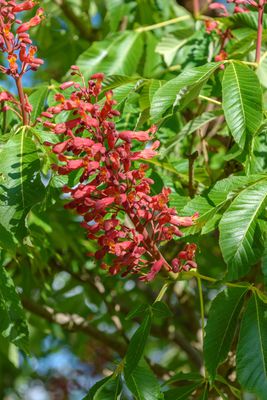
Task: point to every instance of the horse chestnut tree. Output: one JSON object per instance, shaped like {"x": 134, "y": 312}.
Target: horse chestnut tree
{"x": 133, "y": 197}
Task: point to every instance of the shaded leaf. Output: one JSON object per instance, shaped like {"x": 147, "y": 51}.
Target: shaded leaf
{"x": 137, "y": 345}
{"x": 7, "y": 240}
{"x": 221, "y": 327}
{"x": 252, "y": 348}
{"x": 108, "y": 388}
{"x": 192, "y": 126}
{"x": 12, "y": 322}
{"x": 20, "y": 182}
{"x": 37, "y": 100}
{"x": 161, "y": 310}
{"x": 143, "y": 384}
{"x": 181, "y": 393}
{"x": 136, "y": 312}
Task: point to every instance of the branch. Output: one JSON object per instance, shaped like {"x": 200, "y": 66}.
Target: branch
{"x": 80, "y": 24}
{"x": 74, "y": 323}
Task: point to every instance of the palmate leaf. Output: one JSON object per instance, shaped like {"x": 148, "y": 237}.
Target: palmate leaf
{"x": 221, "y": 327}
{"x": 119, "y": 54}
{"x": 171, "y": 93}
{"x": 240, "y": 240}
{"x": 20, "y": 183}
{"x": 251, "y": 361}
{"x": 12, "y": 322}
{"x": 242, "y": 101}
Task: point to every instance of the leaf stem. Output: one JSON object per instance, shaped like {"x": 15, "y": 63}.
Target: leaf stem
{"x": 162, "y": 24}
{"x": 213, "y": 280}
{"x": 210, "y": 100}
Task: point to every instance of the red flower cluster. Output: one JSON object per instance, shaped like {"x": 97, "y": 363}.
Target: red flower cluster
{"x": 18, "y": 46}
{"x": 240, "y": 6}
{"x": 213, "y": 26}
{"x": 112, "y": 196}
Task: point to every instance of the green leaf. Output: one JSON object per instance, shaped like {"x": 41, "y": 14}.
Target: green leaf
{"x": 20, "y": 183}
{"x": 256, "y": 159}
{"x": 161, "y": 310}
{"x": 184, "y": 377}
{"x": 180, "y": 393}
{"x": 119, "y": 54}
{"x": 137, "y": 345}
{"x": 37, "y": 100}
{"x": 12, "y": 322}
{"x": 108, "y": 388}
{"x": 143, "y": 384}
{"x": 116, "y": 10}
{"x": 168, "y": 47}
{"x": 221, "y": 327}
{"x": 213, "y": 202}
{"x": 93, "y": 390}
{"x": 251, "y": 361}
{"x": 111, "y": 82}
{"x": 242, "y": 101}
{"x": 152, "y": 62}
{"x": 7, "y": 240}
{"x": 137, "y": 311}
{"x": 248, "y": 19}
{"x": 240, "y": 240}
{"x": 171, "y": 93}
